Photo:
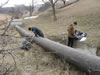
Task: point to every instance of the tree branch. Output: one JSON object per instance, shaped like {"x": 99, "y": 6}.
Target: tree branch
{"x": 55, "y": 2}
{"x": 4, "y": 4}
{"x": 7, "y": 26}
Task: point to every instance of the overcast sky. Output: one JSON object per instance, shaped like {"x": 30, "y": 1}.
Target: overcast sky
{"x": 17, "y": 2}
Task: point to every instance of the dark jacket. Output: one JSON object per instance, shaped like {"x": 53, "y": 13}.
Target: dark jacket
{"x": 37, "y": 32}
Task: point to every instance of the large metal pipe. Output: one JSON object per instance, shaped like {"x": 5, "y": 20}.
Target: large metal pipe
{"x": 88, "y": 63}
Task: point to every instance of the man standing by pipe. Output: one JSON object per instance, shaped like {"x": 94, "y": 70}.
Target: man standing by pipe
{"x": 71, "y": 34}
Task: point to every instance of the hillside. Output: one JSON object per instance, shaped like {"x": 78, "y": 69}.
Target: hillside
{"x": 38, "y": 62}
{"x": 85, "y": 12}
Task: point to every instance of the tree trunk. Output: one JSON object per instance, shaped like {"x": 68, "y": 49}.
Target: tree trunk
{"x": 31, "y": 8}
{"x": 30, "y": 13}
{"x": 53, "y": 9}
{"x": 88, "y": 63}
{"x": 64, "y": 1}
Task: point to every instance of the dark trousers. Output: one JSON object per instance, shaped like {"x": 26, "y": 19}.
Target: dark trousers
{"x": 70, "y": 41}
{"x": 41, "y": 34}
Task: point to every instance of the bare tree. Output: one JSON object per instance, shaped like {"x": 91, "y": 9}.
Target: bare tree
{"x": 64, "y": 1}
{"x": 7, "y": 26}
{"x": 17, "y": 11}
{"x": 53, "y": 3}
{"x": 53, "y": 8}
{"x": 1, "y": 5}
{"x": 31, "y": 8}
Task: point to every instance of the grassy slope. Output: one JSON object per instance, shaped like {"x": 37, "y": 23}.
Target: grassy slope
{"x": 38, "y": 62}
{"x": 85, "y": 12}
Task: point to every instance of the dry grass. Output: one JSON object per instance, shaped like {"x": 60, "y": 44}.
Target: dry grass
{"x": 85, "y": 12}
{"x": 37, "y": 61}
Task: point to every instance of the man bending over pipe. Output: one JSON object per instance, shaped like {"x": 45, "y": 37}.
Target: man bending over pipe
{"x": 36, "y": 31}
